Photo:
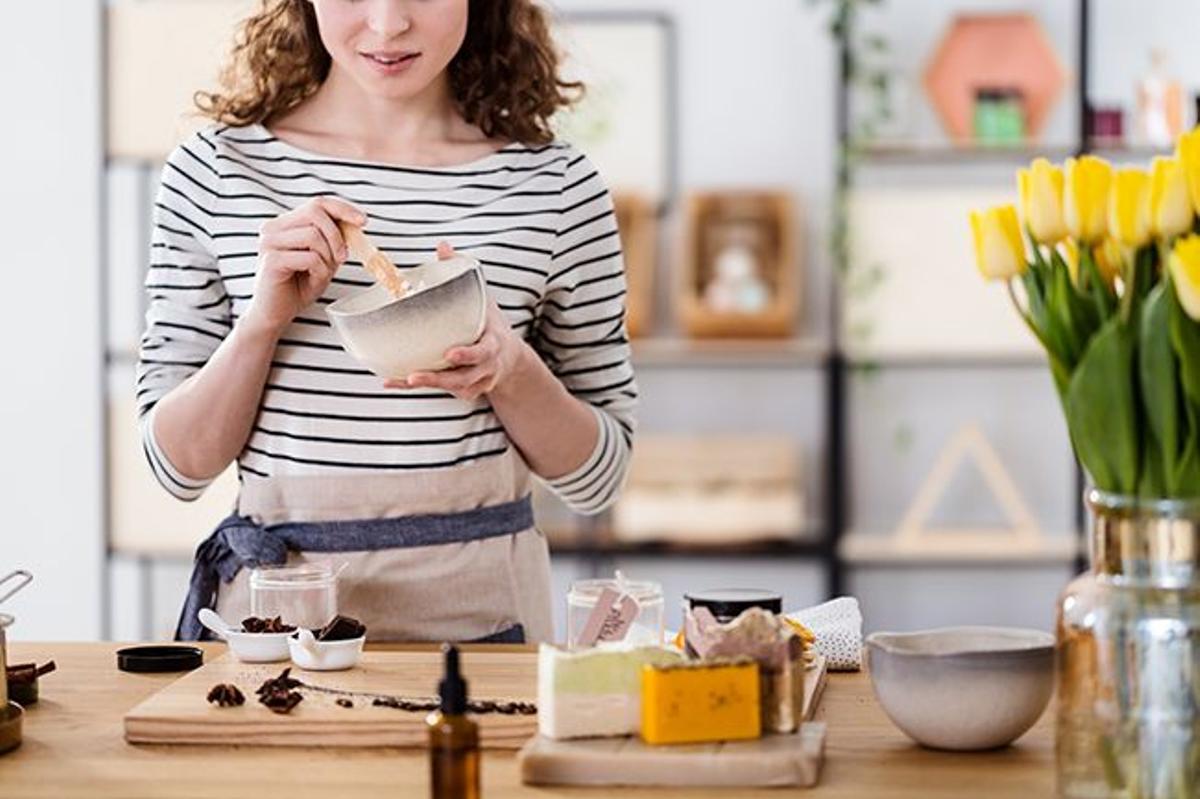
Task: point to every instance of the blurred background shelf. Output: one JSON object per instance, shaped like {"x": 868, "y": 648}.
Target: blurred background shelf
{"x": 667, "y": 352}
{"x": 946, "y": 360}
{"x": 941, "y": 153}
{"x": 799, "y": 548}
{"x": 871, "y": 549}
{"x": 945, "y": 153}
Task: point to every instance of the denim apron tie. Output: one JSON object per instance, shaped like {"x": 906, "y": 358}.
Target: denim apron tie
{"x": 240, "y": 542}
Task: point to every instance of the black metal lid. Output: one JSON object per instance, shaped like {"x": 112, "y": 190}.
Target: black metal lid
{"x": 728, "y": 603}
{"x": 159, "y": 658}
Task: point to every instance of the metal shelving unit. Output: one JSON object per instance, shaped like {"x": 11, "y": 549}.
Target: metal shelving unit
{"x": 947, "y": 154}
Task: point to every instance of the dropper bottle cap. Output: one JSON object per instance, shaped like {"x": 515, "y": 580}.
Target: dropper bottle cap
{"x": 453, "y": 688}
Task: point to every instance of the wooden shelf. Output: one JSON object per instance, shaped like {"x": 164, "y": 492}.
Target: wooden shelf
{"x": 947, "y": 360}
{"x": 799, "y": 547}
{"x": 867, "y": 549}
{"x": 943, "y": 153}
{"x": 1129, "y": 152}
{"x": 946, "y": 153}
{"x": 686, "y": 352}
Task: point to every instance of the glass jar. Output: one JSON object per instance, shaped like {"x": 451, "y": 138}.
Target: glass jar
{"x": 647, "y": 626}
{"x": 304, "y": 596}
{"x": 1128, "y": 710}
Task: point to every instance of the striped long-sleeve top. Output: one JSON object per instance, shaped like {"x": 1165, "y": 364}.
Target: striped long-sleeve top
{"x": 540, "y": 221}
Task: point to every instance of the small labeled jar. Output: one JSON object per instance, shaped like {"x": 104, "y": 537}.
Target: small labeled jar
{"x": 303, "y": 596}
{"x": 646, "y": 628}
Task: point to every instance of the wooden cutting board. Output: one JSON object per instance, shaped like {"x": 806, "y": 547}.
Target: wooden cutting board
{"x": 180, "y": 714}
{"x": 771, "y": 761}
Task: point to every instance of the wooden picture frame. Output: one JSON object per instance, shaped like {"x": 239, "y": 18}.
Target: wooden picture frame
{"x": 627, "y": 120}
{"x": 638, "y": 226}
{"x": 764, "y": 223}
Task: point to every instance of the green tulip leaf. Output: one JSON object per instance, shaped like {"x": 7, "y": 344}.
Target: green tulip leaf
{"x": 1185, "y": 337}
{"x": 1188, "y": 478}
{"x": 1101, "y": 411}
{"x": 1075, "y": 313}
{"x": 1152, "y": 479}
{"x": 1160, "y": 388}
{"x": 1104, "y": 301}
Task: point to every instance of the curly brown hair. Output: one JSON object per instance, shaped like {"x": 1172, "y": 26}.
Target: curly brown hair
{"x": 504, "y": 78}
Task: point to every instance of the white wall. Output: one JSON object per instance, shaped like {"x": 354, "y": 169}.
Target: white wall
{"x": 49, "y": 406}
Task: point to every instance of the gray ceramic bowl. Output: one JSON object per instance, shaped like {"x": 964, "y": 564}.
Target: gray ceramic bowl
{"x": 396, "y": 337}
{"x": 963, "y": 688}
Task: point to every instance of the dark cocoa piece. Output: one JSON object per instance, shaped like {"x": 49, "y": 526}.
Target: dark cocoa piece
{"x": 253, "y": 624}
{"x": 28, "y": 673}
{"x": 341, "y": 628}
{"x": 345, "y": 703}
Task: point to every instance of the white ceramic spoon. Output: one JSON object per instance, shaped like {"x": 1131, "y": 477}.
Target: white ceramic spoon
{"x": 217, "y": 625}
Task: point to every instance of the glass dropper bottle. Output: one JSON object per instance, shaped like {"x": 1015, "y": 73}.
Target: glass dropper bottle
{"x": 453, "y": 738}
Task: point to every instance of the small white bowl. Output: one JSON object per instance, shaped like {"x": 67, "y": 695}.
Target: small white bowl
{"x": 312, "y": 655}
{"x": 396, "y": 337}
{"x": 246, "y": 647}
{"x": 963, "y": 688}
{"x": 258, "y": 647}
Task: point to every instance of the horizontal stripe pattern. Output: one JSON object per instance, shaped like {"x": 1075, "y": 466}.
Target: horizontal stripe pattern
{"x": 539, "y": 219}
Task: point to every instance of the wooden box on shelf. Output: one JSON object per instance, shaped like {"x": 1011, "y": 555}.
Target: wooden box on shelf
{"x": 739, "y": 270}
{"x": 638, "y": 226}
{"x": 711, "y": 490}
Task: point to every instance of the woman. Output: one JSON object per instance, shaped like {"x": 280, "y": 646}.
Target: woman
{"x": 426, "y": 121}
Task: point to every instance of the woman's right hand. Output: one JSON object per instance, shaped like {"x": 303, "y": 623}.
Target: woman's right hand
{"x": 298, "y": 253}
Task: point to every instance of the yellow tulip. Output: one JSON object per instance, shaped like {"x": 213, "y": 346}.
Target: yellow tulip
{"x": 1041, "y": 190}
{"x": 1110, "y": 260}
{"x": 1069, "y": 251}
{"x": 1189, "y": 155}
{"x": 1085, "y": 197}
{"x": 1129, "y": 207}
{"x": 999, "y": 251}
{"x": 1185, "y": 271}
{"x": 1170, "y": 205}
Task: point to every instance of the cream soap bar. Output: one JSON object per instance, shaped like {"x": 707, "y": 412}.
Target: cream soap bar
{"x": 594, "y": 692}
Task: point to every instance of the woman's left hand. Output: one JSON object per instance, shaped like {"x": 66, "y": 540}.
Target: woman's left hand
{"x": 477, "y": 369}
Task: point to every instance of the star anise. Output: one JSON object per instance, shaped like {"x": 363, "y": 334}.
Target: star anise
{"x": 226, "y": 695}
{"x": 277, "y": 694}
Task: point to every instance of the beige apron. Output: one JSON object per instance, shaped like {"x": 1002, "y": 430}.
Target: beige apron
{"x": 450, "y": 592}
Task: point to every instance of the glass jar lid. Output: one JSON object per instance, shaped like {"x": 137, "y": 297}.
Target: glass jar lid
{"x": 587, "y": 591}
{"x": 309, "y": 574}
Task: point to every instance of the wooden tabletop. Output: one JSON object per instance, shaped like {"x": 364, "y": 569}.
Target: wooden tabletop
{"x": 74, "y": 746}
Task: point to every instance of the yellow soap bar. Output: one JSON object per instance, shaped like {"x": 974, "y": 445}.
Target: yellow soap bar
{"x": 698, "y": 702}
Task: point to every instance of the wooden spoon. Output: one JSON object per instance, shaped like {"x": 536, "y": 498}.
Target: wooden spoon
{"x": 375, "y": 262}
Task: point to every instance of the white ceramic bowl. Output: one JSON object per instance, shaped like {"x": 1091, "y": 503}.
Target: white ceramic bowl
{"x": 257, "y": 647}
{"x": 325, "y": 655}
{"x": 396, "y": 337}
{"x": 963, "y": 688}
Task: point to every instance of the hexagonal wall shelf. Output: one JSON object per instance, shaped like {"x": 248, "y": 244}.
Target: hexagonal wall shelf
{"x": 989, "y": 51}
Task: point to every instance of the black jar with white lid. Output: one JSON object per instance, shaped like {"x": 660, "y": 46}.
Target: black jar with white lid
{"x": 726, "y": 604}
